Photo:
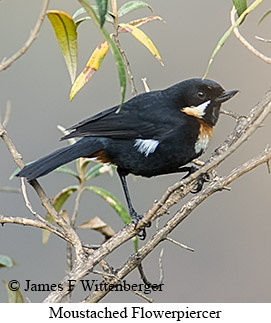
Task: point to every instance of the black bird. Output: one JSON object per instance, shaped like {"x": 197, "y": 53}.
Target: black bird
{"x": 154, "y": 133}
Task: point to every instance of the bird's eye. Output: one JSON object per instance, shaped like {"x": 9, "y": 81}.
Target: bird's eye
{"x": 201, "y": 95}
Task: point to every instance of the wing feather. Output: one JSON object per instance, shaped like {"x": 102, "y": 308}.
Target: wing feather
{"x": 133, "y": 121}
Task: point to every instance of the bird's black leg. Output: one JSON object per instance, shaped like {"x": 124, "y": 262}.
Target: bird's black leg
{"x": 135, "y": 217}
{"x": 201, "y": 179}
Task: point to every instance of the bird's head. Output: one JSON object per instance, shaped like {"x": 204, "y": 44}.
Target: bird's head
{"x": 202, "y": 99}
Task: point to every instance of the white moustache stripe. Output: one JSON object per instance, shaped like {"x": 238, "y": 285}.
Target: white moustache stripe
{"x": 200, "y": 109}
{"x": 146, "y": 146}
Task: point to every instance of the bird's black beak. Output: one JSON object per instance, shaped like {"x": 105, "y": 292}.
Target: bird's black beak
{"x": 226, "y": 95}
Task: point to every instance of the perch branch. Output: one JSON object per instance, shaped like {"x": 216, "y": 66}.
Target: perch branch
{"x": 181, "y": 215}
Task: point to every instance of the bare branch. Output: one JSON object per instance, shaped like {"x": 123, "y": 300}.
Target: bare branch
{"x": 33, "y": 35}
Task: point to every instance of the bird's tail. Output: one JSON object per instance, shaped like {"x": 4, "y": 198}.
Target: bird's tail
{"x": 43, "y": 166}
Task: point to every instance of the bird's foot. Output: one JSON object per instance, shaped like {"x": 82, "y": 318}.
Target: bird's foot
{"x": 203, "y": 178}
{"x": 135, "y": 217}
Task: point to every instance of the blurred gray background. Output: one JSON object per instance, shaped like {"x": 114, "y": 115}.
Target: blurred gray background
{"x": 230, "y": 232}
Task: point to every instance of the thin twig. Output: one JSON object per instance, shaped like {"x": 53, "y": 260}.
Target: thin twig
{"x": 7, "y": 114}
{"x": 179, "y": 244}
{"x": 120, "y": 282}
{"x": 33, "y": 35}
{"x": 33, "y": 223}
{"x": 145, "y": 84}
{"x": 245, "y": 42}
{"x": 161, "y": 267}
{"x": 127, "y": 66}
{"x": 146, "y": 298}
{"x": 143, "y": 276}
{"x": 232, "y": 114}
{"x": 28, "y": 204}
{"x": 7, "y": 189}
{"x": 263, "y": 39}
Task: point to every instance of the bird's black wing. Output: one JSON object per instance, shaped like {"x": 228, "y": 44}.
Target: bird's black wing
{"x": 132, "y": 121}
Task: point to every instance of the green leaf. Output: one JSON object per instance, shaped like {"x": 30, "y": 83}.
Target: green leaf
{"x": 6, "y": 261}
{"x": 82, "y": 11}
{"x": 58, "y": 202}
{"x": 132, "y": 5}
{"x": 65, "y": 31}
{"x": 66, "y": 170}
{"x": 240, "y": 6}
{"x": 112, "y": 201}
{"x": 228, "y": 33}
{"x": 98, "y": 170}
{"x": 80, "y": 20}
{"x": 102, "y": 10}
{"x": 264, "y": 16}
{"x": 13, "y": 296}
{"x": 113, "y": 47}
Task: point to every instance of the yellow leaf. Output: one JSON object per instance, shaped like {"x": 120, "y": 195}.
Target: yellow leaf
{"x": 143, "y": 38}
{"x": 92, "y": 66}
{"x": 66, "y": 34}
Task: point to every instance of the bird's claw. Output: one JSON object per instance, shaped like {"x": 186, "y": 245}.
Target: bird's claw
{"x": 135, "y": 217}
{"x": 203, "y": 178}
